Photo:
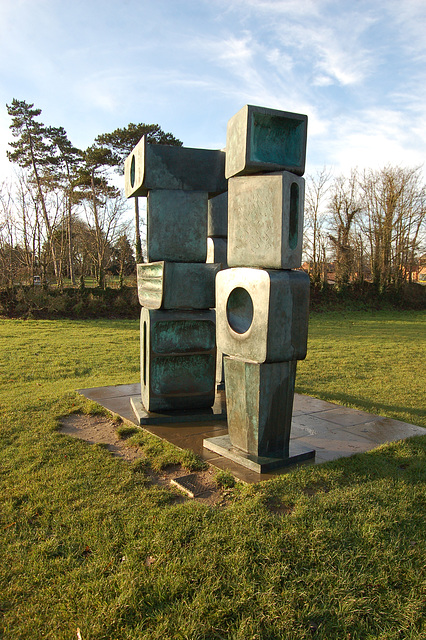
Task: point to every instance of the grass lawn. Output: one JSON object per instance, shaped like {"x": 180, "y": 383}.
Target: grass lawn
{"x": 333, "y": 551}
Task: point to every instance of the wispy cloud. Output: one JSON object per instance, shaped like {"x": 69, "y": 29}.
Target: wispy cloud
{"x": 356, "y": 68}
{"x": 371, "y": 138}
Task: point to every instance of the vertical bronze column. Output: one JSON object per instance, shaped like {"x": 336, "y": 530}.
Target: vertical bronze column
{"x": 261, "y": 300}
{"x": 176, "y": 286}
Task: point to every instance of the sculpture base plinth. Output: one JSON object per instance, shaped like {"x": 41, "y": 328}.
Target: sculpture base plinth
{"x": 260, "y": 464}
{"x": 217, "y": 412}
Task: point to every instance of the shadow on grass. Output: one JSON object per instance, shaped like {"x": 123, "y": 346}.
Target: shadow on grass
{"x": 403, "y": 458}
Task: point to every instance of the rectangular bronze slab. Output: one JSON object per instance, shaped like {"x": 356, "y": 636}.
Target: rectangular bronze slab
{"x": 217, "y": 251}
{"x": 260, "y": 464}
{"x": 177, "y": 285}
{"x": 217, "y": 221}
{"x": 159, "y": 166}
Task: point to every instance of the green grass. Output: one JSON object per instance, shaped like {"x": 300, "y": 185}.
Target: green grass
{"x": 333, "y": 551}
{"x": 162, "y": 454}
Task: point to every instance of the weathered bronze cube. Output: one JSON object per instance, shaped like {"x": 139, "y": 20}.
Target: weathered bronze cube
{"x": 260, "y": 139}
{"x": 262, "y": 314}
{"x": 265, "y": 221}
{"x": 178, "y": 359}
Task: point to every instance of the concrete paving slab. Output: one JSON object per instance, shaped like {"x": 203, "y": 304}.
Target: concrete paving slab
{"x": 382, "y": 430}
{"x": 307, "y": 404}
{"x": 346, "y": 417}
{"x": 113, "y": 391}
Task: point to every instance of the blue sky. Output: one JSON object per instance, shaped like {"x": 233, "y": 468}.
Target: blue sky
{"x": 356, "y": 68}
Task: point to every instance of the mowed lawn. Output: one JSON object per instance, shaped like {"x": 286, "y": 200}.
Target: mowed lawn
{"x": 90, "y": 549}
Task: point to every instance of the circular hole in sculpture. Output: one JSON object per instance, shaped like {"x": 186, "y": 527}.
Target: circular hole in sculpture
{"x": 239, "y": 310}
{"x": 133, "y": 171}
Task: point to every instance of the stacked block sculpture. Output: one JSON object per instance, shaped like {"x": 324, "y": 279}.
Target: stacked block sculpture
{"x": 176, "y": 287}
{"x": 225, "y": 229}
{"x": 261, "y": 301}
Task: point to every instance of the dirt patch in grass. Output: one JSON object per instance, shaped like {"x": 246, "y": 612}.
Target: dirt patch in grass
{"x": 101, "y": 430}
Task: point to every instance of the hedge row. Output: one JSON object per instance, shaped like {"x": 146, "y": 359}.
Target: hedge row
{"x": 35, "y": 302}
{"x": 365, "y": 295}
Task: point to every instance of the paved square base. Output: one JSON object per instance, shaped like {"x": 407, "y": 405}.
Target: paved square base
{"x": 260, "y": 464}
{"x": 144, "y": 417}
{"x": 332, "y": 430}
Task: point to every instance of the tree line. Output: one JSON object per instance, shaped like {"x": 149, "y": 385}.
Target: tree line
{"x": 370, "y": 224}
{"x": 63, "y": 216}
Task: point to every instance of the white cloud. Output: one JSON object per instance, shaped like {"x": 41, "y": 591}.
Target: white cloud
{"x": 353, "y": 67}
{"x": 371, "y": 139}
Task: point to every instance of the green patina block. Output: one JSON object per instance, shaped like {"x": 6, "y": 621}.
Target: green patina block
{"x": 262, "y": 314}
{"x": 260, "y": 139}
{"x": 217, "y": 220}
{"x": 177, "y": 285}
{"x": 157, "y": 166}
{"x": 178, "y": 359}
{"x": 177, "y": 226}
{"x": 259, "y": 402}
{"x": 265, "y": 221}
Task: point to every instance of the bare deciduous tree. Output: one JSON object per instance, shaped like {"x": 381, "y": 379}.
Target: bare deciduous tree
{"x": 315, "y": 239}
{"x": 394, "y": 216}
{"x": 345, "y": 207}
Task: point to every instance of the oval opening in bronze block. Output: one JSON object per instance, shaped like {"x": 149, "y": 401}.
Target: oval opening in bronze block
{"x": 133, "y": 171}
{"x": 239, "y": 310}
{"x": 144, "y": 354}
{"x": 294, "y": 216}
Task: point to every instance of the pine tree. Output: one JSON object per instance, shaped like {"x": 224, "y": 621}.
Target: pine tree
{"x": 34, "y": 151}
{"x": 68, "y": 161}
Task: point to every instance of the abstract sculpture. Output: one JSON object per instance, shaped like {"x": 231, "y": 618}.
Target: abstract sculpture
{"x": 205, "y": 213}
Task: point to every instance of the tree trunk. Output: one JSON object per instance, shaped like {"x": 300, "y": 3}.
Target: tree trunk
{"x": 56, "y": 267}
{"x": 70, "y": 246}
{"x": 100, "y": 274}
